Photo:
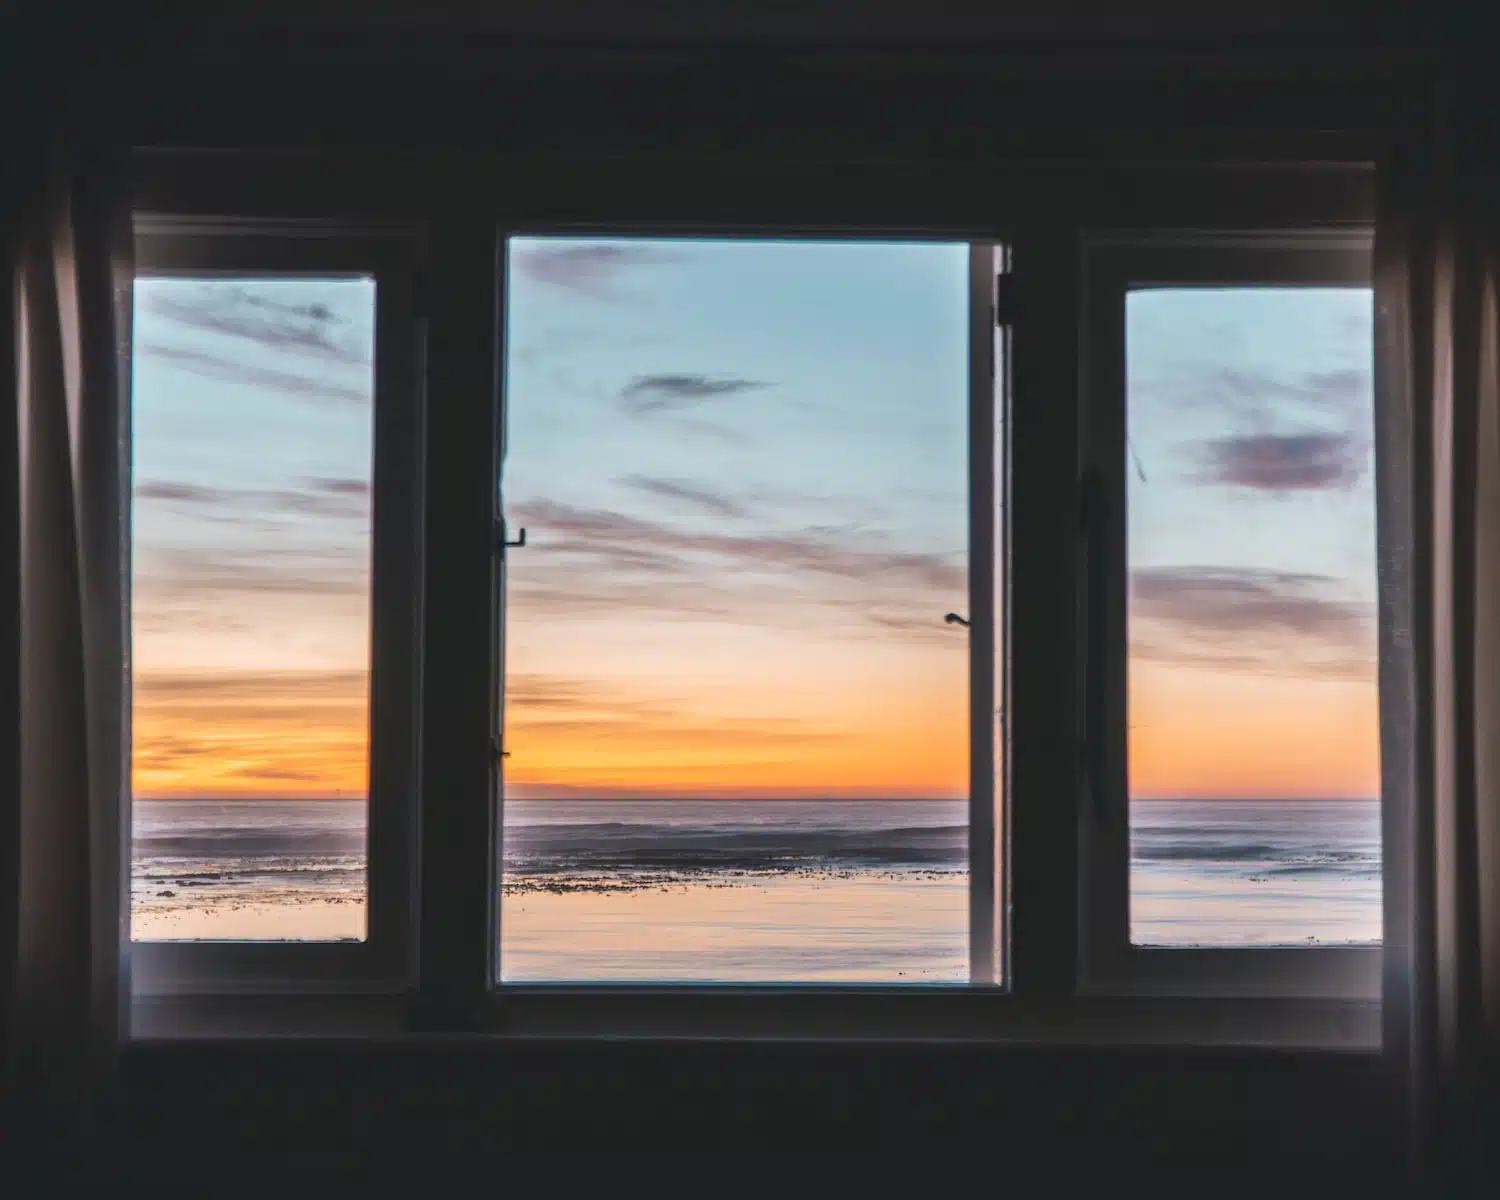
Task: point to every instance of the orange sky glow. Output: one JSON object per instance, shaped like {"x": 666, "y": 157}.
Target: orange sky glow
{"x": 699, "y": 611}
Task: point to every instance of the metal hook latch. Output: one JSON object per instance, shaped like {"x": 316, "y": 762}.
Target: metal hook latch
{"x": 509, "y": 542}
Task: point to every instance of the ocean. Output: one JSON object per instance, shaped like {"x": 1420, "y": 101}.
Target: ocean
{"x": 755, "y": 890}
{"x": 1254, "y": 873}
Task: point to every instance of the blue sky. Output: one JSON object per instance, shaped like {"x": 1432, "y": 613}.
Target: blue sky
{"x": 1252, "y": 541}
{"x": 742, "y": 469}
{"x": 251, "y": 440}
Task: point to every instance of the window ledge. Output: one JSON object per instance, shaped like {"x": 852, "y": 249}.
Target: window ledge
{"x": 762, "y": 1016}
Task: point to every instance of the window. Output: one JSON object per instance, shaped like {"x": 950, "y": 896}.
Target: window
{"x": 252, "y": 405}
{"x": 272, "y": 526}
{"x": 740, "y": 495}
{"x": 1233, "y": 422}
{"x": 668, "y": 640}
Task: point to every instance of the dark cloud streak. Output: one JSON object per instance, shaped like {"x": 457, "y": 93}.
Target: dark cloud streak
{"x": 213, "y": 366}
{"x": 543, "y": 705}
{"x": 1256, "y": 621}
{"x": 589, "y": 270}
{"x": 834, "y": 552}
{"x": 647, "y": 394}
{"x": 844, "y": 580}
{"x": 1283, "y": 463}
{"x": 301, "y": 686}
{"x": 306, "y": 329}
{"x": 323, "y": 497}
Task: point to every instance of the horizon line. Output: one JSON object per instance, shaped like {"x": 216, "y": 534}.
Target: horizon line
{"x": 752, "y": 799}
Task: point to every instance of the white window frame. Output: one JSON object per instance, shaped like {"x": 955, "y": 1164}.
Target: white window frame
{"x": 1114, "y": 263}
{"x": 162, "y": 973}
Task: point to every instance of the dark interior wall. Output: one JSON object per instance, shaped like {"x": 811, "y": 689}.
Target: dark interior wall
{"x": 265, "y": 1113}
{"x": 1270, "y": 1121}
{"x": 892, "y": 21}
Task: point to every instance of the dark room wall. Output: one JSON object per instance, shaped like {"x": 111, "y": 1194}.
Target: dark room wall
{"x": 257, "y": 1114}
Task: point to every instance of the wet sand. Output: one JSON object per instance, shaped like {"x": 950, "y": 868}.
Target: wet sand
{"x": 834, "y": 927}
{"x": 290, "y": 917}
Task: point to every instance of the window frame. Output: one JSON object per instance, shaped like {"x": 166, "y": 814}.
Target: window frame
{"x": 447, "y": 201}
{"x": 178, "y": 246}
{"x": 1115, "y": 262}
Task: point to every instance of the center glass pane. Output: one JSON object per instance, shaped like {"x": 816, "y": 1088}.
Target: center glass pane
{"x": 735, "y": 718}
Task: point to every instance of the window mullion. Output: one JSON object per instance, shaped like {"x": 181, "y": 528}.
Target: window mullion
{"x": 1044, "y": 660}
{"x": 457, "y": 836}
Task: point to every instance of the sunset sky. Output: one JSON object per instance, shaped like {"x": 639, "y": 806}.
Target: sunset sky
{"x": 741, "y": 467}
{"x": 252, "y": 440}
{"x": 1252, "y": 543}
{"x": 743, "y": 472}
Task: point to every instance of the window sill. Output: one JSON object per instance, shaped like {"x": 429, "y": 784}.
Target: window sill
{"x": 761, "y": 1016}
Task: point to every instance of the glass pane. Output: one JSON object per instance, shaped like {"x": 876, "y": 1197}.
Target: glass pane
{"x": 252, "y": 440}
{"x": 1254, "y": 743}
{"x": 736, "y": 719}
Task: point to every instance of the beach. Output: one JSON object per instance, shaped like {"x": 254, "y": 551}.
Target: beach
{"x": 755, "y": 891}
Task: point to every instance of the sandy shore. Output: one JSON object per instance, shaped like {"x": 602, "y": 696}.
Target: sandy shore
{"x": 908, "y": 928}
{"x": 301, "y": 917}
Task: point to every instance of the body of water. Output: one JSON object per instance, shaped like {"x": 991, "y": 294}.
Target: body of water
{"x": 758, "y": 890}
{"x": 1254, "y": 873}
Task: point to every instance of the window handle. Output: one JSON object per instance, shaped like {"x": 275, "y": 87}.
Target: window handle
{"x": 1093, "y": 506}
{"x": 508, "y": 541}
{"x": 955, "y": 619}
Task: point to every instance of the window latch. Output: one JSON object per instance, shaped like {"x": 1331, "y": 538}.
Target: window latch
{"x": 955, "y": 619}
{"x": 505, "y": 540}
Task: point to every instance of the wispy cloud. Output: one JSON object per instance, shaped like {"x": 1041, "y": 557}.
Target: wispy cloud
{"x": 846, "y": 580}
{"x": 197, "y": 687}
{"x": 646, "y": 394}
{"x": 549, "y": 707}
{"x": 841, "y": 552}
{"x": 526, "y": 694}
{"x": 176, "y": 493}
{"x": 590, "y": 269}
{"x": 321, "y": 497}
{"x": 279, "y": 775}
{"x": 1256, "y": 396}
{"x": 310, "y": 329}
{"x": 924, "y": 626}
{"x": 1283, "y": 463}
{"x": 686, "y": 494}
{"x": 205, "y": 732}
{"x": 226, "y": 579}
{"x": 1261, "y": 621}
{"x": 342, "y": 487}
{"x": 292, "y": 383}
{"x": 729, "y": 733}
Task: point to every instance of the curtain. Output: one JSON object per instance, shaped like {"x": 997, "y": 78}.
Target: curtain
{"x": 1437, "y": 266}
{"x": 69, "y": 257}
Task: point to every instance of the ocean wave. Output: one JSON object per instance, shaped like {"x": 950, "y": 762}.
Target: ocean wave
{"x": 1212, "y": 851}
{"x": 614, "y": 846}
{"x": 249, "y": 843}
